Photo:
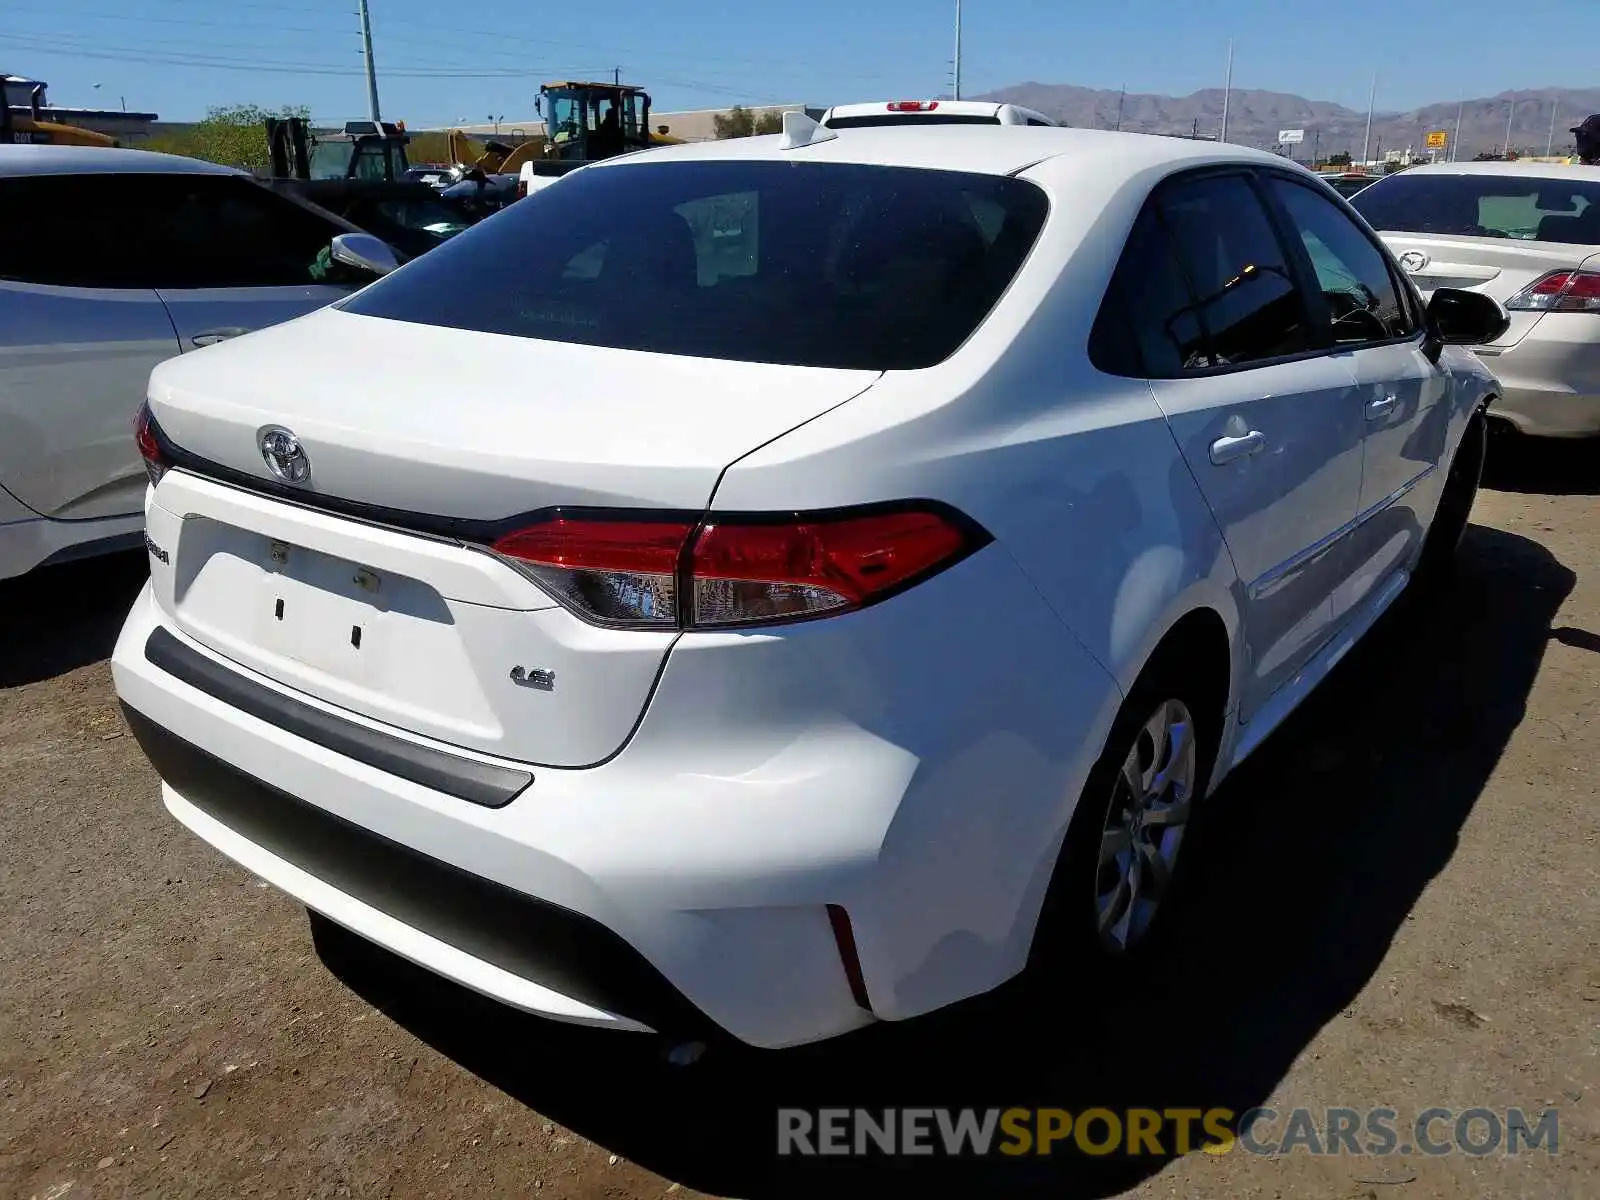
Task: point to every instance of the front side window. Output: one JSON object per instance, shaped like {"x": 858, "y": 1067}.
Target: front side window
{"x": 815, "y": 264}
{"x": 1364, "y": 305}
{"x": 1563, "y": 210}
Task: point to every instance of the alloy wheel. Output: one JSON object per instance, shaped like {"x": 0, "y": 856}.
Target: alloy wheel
{"x": 1148, "y": 813}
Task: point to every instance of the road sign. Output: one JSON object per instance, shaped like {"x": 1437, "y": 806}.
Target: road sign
{"x": 1291, "y": 137}
{"x": 1437, "y": 139}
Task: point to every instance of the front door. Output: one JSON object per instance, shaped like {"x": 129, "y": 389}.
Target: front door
{"x": 1404, "y": 396}
{"x": 1270, "y": 427}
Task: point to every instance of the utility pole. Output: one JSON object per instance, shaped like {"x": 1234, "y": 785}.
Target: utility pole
{"x": 1227, "y": 91}
{"x": 1316, "y": 147}
{"x": 1121, "y": 96}
{"x": 1455, "y": 145}
{"x": 372, "y": 70}
{"x": 1366, "y": 142}
{"x": 1550, "y": 142}
{"x": 956, "y": 90}
{"x": 616, "y": 76}
{"x": 1506, "y": 153}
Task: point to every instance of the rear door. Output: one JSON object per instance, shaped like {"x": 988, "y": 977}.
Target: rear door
{"x": 1404, "y": 395}
{"x": 228, "y": 256}
{"x": 78, "y": 338}
{"x": 1269, "y": 423}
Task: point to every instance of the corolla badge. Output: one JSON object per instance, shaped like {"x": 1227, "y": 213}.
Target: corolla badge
{"x": 285, "y": 456}
{"x": 1413, "y": 261}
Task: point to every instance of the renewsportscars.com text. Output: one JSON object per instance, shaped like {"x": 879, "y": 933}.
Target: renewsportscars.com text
{"x": 968, "y": 1132}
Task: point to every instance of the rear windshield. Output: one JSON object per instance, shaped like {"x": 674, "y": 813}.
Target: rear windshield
{"x": 871, "y": 120}
{"x": 1546, "y": 210}
{"x": 829, "y": 265}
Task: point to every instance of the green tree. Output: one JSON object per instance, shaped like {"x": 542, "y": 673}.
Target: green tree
{"x": 1341, "y": 159}
{"x": 769, "y": 122}
{"x": 737, "y": 122}
{"x": 233, "y": 135}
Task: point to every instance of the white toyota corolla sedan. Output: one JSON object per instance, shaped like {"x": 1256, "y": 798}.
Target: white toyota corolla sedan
{"x": 777, "y": 585}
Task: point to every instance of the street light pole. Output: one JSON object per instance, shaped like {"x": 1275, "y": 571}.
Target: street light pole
{"x": 1227, "y": 92}
{"x": 956, "y": 90}
{"x": 1455, "y": 146}
{"x": 1366, "y": 142}
{"x": 372, "y": 70}
{"x": 1550, "y": 142}
{"x": 1506, "y": 153}
{"x": 1121, "y": 96}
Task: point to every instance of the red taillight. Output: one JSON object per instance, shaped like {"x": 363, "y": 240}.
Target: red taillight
{"x": 144, "y": 436}
{"x": 620, "y": 572}
{"x": 522, "y": 189}
{"x": 736, "y": 571}
{"x": 1559, "y": 291}
{"x": 757, "y": 572}
{"x": 913, "y": 105}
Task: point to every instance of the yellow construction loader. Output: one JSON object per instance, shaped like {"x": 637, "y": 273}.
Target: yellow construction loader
{"x": 31, "y": 128}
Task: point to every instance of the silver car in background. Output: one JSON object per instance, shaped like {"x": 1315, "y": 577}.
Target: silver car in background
{"x": 1527, "y": 234}
{"x": 112, "y": 261}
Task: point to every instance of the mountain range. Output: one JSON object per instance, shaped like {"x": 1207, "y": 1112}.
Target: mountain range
{"x": 1255, "y": 117}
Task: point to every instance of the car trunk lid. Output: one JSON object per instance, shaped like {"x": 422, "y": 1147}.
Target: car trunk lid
{"x": 404, "y": 616}
{"x": 1498, "y": 267}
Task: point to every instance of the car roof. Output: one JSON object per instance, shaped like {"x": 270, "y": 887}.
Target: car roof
{"x": 982, "y": 149}
{"x": 100, "y": 160}
{"x": 1518, "y": 170}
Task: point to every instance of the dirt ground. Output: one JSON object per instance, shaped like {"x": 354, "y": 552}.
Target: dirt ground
{"x": 1397, "y": 904}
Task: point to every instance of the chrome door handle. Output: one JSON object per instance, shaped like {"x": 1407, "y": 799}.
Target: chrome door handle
{"x": 1226, "y": 449}
{"x": 1380, "y": 408}
{"x": 212, "y": 336}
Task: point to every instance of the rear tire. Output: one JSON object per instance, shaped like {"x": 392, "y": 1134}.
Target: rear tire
{"x": 1121, "y": 868}
{"x": 1438, "y": 559}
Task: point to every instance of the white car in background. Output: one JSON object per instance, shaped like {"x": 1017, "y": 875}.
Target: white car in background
{"x": 890, "y": 542}
{"x": 1527, "y": 234}
{"x": 931, "y": 112}
{"x": 112, "y": 261}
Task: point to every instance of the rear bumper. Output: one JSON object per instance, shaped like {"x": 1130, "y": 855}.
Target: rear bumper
{"x": 1550, "y": 379}
{"x": 686, "y": 882}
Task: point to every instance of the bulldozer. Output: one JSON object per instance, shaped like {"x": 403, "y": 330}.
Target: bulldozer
{"x": 360, "y": 174}
{"x": 34, "y": 130}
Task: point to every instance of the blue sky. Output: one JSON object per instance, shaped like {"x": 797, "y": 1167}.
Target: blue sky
{"x": 475, "y": 59}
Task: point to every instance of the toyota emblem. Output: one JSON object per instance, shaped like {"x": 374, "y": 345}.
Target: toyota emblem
{"x": 1413, "y": 261}
{"x": 285, "y": 456}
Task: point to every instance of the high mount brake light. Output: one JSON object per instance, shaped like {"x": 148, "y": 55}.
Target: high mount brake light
{"x": 1559, "y": 291}
{"x": 677, "y": 572}
{"x": 913, "y": 105}
{"x": 144, "y": 436}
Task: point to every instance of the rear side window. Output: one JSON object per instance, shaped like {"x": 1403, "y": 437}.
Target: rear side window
{"x": 812, "y": 264}
{"x": 1150, "y": 324}
{"x": 157, "y": 231}
{"x": 1203, "y": 282}
{"x": 1563, "y": 210}
{"x": 1248, "y": 301}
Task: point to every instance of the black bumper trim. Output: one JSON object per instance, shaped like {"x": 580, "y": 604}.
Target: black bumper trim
{"x": 531, "y": 938}
{"x": 482, "y": 783}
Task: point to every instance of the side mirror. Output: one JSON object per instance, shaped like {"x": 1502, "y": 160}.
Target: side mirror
{"x": 1462, "y": 318}
{"x": 365, "y": 253}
